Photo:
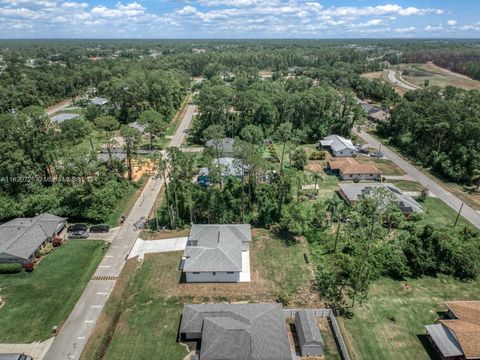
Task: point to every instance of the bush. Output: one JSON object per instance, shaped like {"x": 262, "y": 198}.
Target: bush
{"x": 29, "y": 267}
{"x": 317, "y": 155}
{"x": 11, "y": 268}
{"x": 47, "y": 249}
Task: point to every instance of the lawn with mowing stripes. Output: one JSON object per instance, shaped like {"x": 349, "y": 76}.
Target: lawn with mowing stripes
{"x": 37, "y": 301}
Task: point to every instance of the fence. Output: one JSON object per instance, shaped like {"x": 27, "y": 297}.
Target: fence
{"x": 326, "y": 313}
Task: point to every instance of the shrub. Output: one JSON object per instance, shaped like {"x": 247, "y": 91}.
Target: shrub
{"x": 356, "y": 180}
{"x": 47, "y": 249}
{"x": 29, "y": 267}
{"x": 11, "y": 268}
{"x": 317, "y": 155}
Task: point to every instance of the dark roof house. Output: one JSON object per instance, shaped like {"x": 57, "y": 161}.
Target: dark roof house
{"x": 225, "y": 145}
{"x": 352, "y": 192}
{"x": 237, "y": 331}
{"x": 458, "y": 337}
{"x": 21, "y": 238}
{"x": 213, "y": 249}
{"x": 308, "y": 333}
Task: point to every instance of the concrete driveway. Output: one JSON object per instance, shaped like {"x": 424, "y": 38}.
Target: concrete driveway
{"x": 36, "y": 350}
{"x": 142, "y": 247}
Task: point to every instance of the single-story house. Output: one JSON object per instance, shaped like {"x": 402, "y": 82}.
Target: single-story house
{"x": 21, "y": 238}
{"x": 348, "y": 169}
{"x": 99, "y": 101}
{"x": 105, "y": 157}
{"x": 237, "y": 331}
{"x": 308, "y": 333}
{"x": 138, "y": 126}
{"x": 227, "y": 168}
{"x": 339, "y": 146}
{"x": 352, "y": 192}
{"x": 62, "y": 117}
{"x": 225, "y": 146}
{"x": 374, "y": 113}
{"x": 217, "y": 253}
{"x": 458, "y": 337}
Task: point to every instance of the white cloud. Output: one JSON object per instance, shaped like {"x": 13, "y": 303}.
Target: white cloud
{"x": 452, "y": 22}
{"x": 73, "y": 4}
{"x": 120, "y": 10}
{"x": 431, "y": 28}
{"x": 405, "y": 30}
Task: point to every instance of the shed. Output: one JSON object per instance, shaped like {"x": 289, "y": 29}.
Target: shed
{"x": 308, "y": 333}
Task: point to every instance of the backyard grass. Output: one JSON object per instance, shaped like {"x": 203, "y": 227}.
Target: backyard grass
{"x": 390, "y": 325}
{"x": 37, "y": 301}
{"x": 142, "y": 316}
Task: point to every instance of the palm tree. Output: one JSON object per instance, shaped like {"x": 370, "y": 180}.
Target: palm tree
{"x": 316, "y": 177}
{"x": 332, "y": 204}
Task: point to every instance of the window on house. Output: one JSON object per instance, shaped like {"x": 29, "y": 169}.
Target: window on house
{"x": 230, "y": 272}
{"x": 214, "y": 273}
{"x": 196, "y": 273}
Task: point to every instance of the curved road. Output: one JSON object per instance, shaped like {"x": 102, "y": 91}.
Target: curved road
{"x": 74, "y": 334}
{"x": 393, "y": 79}
{"x": 434, "y": 187}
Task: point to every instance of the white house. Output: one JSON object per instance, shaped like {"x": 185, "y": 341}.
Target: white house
{"x": 339, "y": 146}
{"x": 217, "y": 253}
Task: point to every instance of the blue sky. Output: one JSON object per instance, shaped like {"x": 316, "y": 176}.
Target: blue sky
{"x": 239, "y": 18}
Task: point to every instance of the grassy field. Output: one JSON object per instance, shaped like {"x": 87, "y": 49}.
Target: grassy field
{"x": 406, "y": 185}
{"x": 389, "y": 326}
{"x": 37, "y": 301}
{"x": 418, "y": 73}
{"x": 387, "y": 167}
{"x": 142, "y": 316}
{"x": 437, "y": 213}
{"x": 124, "y": 205}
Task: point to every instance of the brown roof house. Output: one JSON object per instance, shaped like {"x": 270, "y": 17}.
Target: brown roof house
{"x": 349, "y": 169}
{"x": 457, "y": 337}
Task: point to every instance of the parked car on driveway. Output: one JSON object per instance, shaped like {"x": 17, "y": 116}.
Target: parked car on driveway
{"x": 100, "y": 229}
{"x": 78, "y": 231}
{"x": 15, "y": 357}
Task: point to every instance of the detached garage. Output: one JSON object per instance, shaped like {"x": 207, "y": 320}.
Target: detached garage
{"x": 308, "y": 333}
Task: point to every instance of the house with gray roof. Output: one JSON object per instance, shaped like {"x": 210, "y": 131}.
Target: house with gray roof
{"x": 21, "y": 238}
{"x": 62, "y": 117}
{"x": 237, "y": 331}
{"x": 99, "y": 101}
{"x": 227, "y": 165}
{"x": 217, "y": 253}
{"x": 225, "y": 146}
{"x": 308, "y": 333}
{"x": 339, "y": 146}
{"x": 352, "y": 192}
{"x": 138, "y": 126}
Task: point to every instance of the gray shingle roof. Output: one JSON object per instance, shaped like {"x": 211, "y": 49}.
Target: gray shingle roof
{"x": 62, "y": 117}
{"x": 238, "y": 331}
{"x": 215, "y": 247}
{"x": 115, "y": 155}
{"x": 99, "y": 101}
{"x": 227, "y": 165}
{"x": 21, "y": 237}
{"x": 445, "y": 340}
{"x": 225, "y": 145}
{"x": 354, "y": 191}
{"x": 337, "y": 143}
{"x": 307, "y": 327}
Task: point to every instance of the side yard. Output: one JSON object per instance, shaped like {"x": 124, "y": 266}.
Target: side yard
{"x": 389, "y": 326}
{"x": 35, "y": 302}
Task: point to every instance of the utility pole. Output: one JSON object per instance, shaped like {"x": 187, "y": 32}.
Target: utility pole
{"x": 458, "y": 215}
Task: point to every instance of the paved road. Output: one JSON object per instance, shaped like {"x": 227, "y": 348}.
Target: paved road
{"x": 399, "y": 82}
{"x": 71, "y": 340}
{"x": 435, "y": 188}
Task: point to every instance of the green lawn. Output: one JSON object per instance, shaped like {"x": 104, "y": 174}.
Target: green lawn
{"x": 37, "y": 301}
{"x": 406, "y": 185}
{"x": 390, "y": 325}
{"x": 124, "y": 204}
{"x": 437, "y": 213}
